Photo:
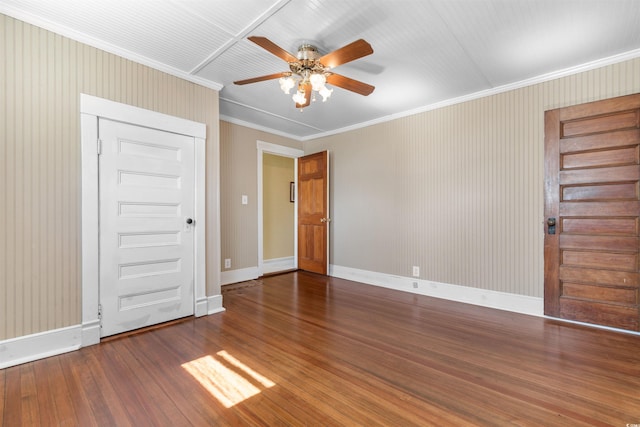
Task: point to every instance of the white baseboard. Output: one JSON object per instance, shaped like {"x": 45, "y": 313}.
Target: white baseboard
{"x": 235, "y": 276}
{"x": 16, "y": 351}
{"x": 486, "y": 298}
{"x": 28, "y": 348}
{"x": 214, "y": 304}
{"x": 278, "y": 264}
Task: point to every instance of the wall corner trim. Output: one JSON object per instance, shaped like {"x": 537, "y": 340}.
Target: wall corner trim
{"x": 201, "y": 307}
{"x": 214, "y": 304}
{"x": 522, "y": 304}
{"x": 27, "y": 348}
{"x": 90, "y": 333}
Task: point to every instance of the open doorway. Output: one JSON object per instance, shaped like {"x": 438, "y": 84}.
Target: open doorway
{"x": 277, "y": 208}
{"x": 278, "y": 211}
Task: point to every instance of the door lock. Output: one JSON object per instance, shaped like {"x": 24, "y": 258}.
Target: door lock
{"x": 551, "y": 226}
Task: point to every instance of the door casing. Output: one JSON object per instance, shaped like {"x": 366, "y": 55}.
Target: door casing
{"x": 91, "y": 108}
{"x": 284, "y": 151}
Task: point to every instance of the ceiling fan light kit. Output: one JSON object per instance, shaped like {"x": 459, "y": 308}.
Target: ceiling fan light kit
{"x": 311, "y": 72}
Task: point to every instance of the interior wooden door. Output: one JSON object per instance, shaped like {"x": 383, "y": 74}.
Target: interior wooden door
{"x": 146, "y": 236}
{"x": 592, "y": 170}
{"x": 313, "y": 213}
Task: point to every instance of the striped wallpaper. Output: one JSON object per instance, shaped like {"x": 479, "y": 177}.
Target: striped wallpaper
{"x": 239, "y": 176}
{"x": 41, "y": 77}
{"x": 457, "y": 191}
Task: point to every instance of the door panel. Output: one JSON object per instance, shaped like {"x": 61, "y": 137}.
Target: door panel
{"x": 313, "y": 213}
{"x": 621, "y": 156}
{"x": 609, "y": 226}
{"x": 146, "y": 246}
{"x": 592, "y": 191}
{"x": 600, "y": 191}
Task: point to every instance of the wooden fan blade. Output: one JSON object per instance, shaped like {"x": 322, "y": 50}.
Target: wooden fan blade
{"x": 262, "y": 78}
{"x": 350, "y": 84}
{"x": 270, "y": 46}
{"x": 307, "y": 96}
{"x": 348, "y": 53}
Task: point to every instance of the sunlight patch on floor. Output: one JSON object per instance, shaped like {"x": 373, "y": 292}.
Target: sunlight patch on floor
{"x": 226, "y": 378}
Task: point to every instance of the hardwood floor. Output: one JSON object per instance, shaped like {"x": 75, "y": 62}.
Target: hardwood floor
{"x": 306, "y": 350}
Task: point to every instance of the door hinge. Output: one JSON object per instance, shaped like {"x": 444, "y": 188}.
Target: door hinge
{"x": 99, "y": 147}
{"x": 100, "y": 312}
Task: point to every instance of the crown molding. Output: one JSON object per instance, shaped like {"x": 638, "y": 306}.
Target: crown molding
{"x": 107, "y": 47}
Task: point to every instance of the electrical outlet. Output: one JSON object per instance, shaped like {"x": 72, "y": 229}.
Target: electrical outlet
{"x": 416, "y": 271}
{"x": 245, "y": 199}
{"x": 227, "y": 263}
{"x": 415, "y": 285}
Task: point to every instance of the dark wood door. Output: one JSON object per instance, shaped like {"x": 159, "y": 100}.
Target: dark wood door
{"x": 592, "y": 171}
{"x": 313, "y": 213}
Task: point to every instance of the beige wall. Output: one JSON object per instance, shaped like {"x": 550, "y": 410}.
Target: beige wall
{"x": 278, "y": 211}
{"x": 41, "y": 77}
{"x": 238, "y": 176}
{"x": 457, "y": 191}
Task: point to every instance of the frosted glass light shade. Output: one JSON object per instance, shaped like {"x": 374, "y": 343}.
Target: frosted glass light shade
{"x": 317, "y": 81}
{"x": 286, "y": 84}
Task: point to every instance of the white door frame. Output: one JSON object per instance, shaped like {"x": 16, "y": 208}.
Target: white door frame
{"x": 91, "y": 108}
{"x": 284, "y": 151}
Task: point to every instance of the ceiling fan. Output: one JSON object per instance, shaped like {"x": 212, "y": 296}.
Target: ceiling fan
{"x": 310, "y": 71}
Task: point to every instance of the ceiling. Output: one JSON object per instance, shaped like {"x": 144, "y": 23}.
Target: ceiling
{"x": 427, "y": 53}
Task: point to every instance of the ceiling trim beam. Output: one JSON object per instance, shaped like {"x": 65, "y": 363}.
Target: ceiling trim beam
{"x": 241, "y": 35}
{"x": 240, "y": 104}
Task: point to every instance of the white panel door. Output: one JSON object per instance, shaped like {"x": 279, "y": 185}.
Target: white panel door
{"x": 146, "y": 185}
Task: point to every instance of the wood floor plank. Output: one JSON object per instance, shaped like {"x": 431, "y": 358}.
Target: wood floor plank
{"x": 68, "y": 405}
{"x": 93, "y": 373}
{"x": 161, "y": 401}
{"x": 29, "y": 396}
{"x": 394, "y": 371}
{"x": 449, "y": 354}
{"x": 131, "y": 390}
{"x": 13, "y": 391}
{"x": 318, "y": 381}
{"x": 194, "y": 402}
{"x": 77, "y": 391}
{"x": 551, "y": 404}
{"x": 302, "y": 349}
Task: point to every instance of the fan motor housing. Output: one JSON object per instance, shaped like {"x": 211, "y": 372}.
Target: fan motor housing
{"x": 307, "y": 62}
{"x": 308, "y": 52}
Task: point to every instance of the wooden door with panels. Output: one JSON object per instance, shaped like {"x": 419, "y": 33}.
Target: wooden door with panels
{"x": 313, "y": 213}
{"x": 592, "y": 208}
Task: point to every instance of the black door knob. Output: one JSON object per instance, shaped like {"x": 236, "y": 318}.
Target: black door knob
{"x": 189, "y": 221}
